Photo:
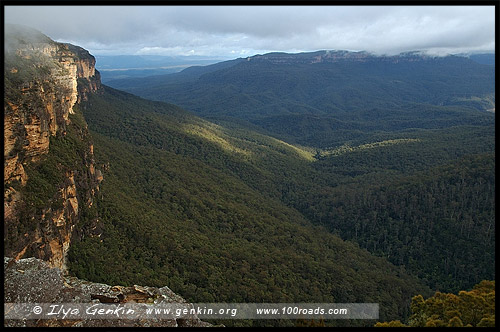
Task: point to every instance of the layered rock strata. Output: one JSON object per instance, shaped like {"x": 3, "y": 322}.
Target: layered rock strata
{"x": 44, "y": 80}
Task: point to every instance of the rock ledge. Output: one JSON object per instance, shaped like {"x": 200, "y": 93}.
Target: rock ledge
{"x": 32, "y": 280}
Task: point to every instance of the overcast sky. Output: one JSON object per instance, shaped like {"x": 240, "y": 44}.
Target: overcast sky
{"x": 241, "y": 31}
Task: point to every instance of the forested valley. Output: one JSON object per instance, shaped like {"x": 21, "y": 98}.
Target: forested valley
{"x": 273, "y": 182}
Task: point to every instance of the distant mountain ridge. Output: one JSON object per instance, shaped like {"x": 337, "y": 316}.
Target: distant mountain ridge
{"x": 287, "y": 95}
{"x": 332, "y": 56}
{"x": 115, "y": 67}
{"x": 322, "y": 56}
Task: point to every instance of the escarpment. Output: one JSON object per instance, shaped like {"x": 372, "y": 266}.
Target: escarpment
{"x": 50, "y": 176}
{"x": 88, "y": 78}
{"x": 51, "y": 183}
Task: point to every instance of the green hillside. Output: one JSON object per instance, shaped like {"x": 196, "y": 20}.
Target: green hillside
{"x": 189, "y": 211}
{"x": 403, "y": 147}
{"x": 438, "y": 223}
{"x": 223, "y": 213}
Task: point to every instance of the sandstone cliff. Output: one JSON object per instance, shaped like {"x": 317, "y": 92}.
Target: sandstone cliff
{"x": 44, "y": 81}
{"x": 51, "y": 182}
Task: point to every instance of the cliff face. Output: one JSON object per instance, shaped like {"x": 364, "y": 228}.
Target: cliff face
{"x": 51, "y": 182}
{"x": 88, "y": 78}
{"x": 44, "y": 194}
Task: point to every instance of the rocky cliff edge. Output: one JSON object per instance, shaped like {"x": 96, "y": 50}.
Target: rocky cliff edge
{"x": 32, "y": 280}
{"x": 44, "y": 81}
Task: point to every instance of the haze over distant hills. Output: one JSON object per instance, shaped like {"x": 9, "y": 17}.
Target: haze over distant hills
{"x": 125, "y": 66}
{"x": 303, "y": 97}
{"x": 114, "y": 67}
{"x": 485, "y": 59}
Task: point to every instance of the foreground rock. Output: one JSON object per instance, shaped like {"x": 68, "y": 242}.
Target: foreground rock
{"x": 32, "y": 280}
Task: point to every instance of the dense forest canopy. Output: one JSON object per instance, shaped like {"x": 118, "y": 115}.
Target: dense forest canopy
{"x": 248, "y": 204}
{"x": 209, "y": 221}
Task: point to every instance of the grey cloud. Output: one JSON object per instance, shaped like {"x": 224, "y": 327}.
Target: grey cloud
{"x": 221, "y": 30}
